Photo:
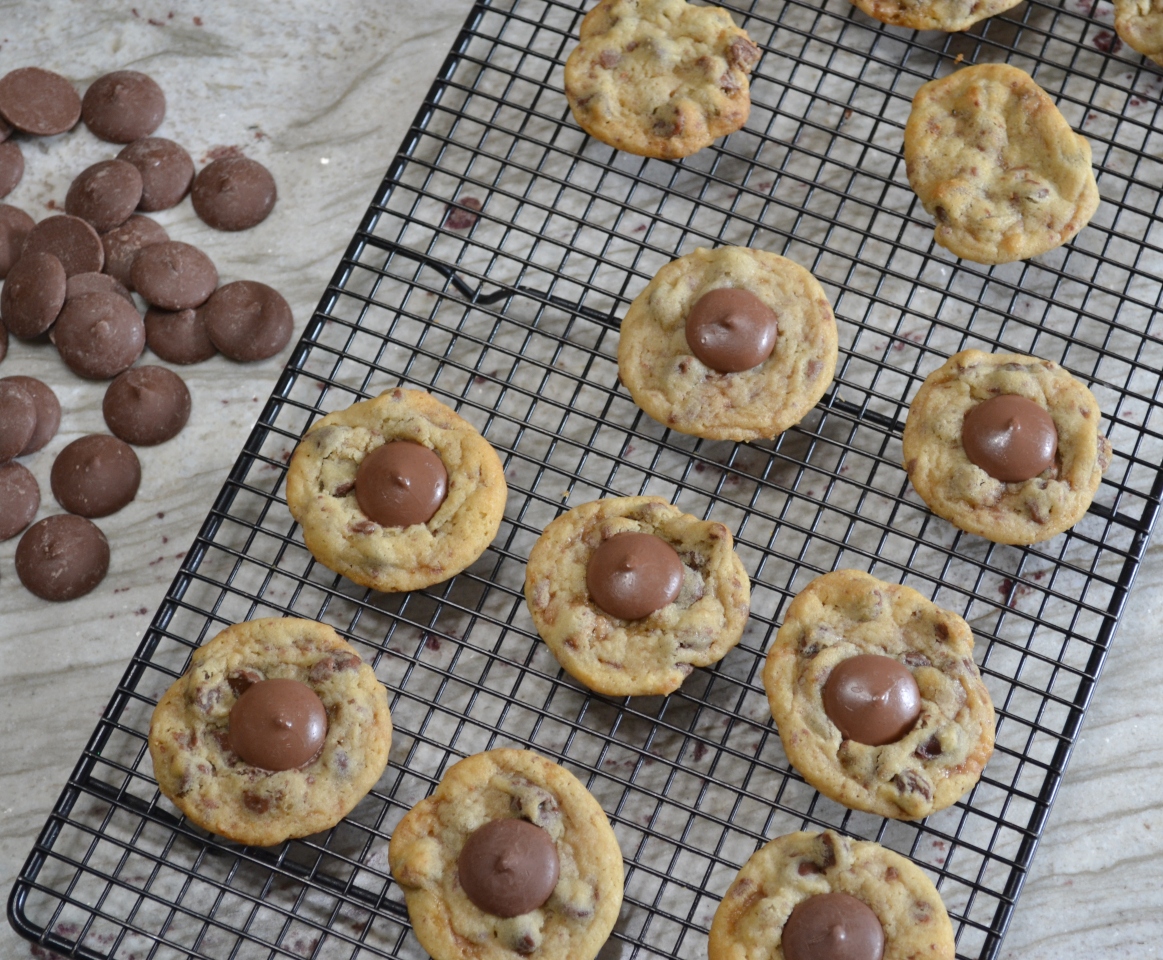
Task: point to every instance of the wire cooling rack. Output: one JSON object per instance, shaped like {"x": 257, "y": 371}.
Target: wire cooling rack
{"x": 492, "y": 269}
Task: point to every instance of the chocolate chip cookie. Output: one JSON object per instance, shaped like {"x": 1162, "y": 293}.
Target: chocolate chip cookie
{"x": 948, "y": 15}
{"x": 276, "y": 730}
{"x": 729, "y": 344}
{"x": 396, "y": 493}
{"x": 510, "y": 857}
{"x": 876, "y": 696}
{"x": 660, "y": 78}
{"x": 1005, "y": 446}
{"x": 806, "y": 896}
{"x": 1140, "y": 24}
{"x": 631, "y": 594}
{"x": 995, "y": 162}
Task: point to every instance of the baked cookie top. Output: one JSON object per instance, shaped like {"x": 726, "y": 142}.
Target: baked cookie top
{"x": 948, "y": 15}
{"x": 654, "y": 654}
{"x": 322, "y": 495}
{"x": 660, "y": 78}
{"x": 667, "y": 380}
{"x": 198, "y": 768}
{"x": 751, "y": 921}
{"x": 962, "y": 492}
{"x": 1140, "y": 24}
{"x": 846, "y": 614}
{"x": 995, "y": 162}
{"x": 427, "y": 844}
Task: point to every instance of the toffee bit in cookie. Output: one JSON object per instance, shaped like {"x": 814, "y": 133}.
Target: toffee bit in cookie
{"x": 1011, "y": 438}
{"x": 278, "y": 724}
{"x": 731, "y": 330}
{"x": 833, "y": 926}
{"x": 631, "y": 575}
{"x": 400, "y": 484}
{"x": 508, "y": 867}
{"x": 872, "y": 699}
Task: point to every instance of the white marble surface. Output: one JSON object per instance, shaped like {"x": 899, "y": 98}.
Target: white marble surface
{"x": 322, "y": 93}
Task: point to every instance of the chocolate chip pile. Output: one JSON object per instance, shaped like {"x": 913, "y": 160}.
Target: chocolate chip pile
{"x": 70, "y": 280}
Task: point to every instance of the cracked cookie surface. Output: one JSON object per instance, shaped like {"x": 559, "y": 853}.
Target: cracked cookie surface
{"x": 678, "y": 390}
{"x": 964, "y": 494}
{"x": 1140, "y": 24}
{"x": 948, "y": 15}
{"x": 321, "y": 493}
{"x": 577, "y": 918}
{"x": 749, "y": 922}
{"x": 996, "y": 164}
{"x": 189, "y": 733}
{"x": 660, "y": 78}
{"x": 653, "y": 655}
{"x": 847, "y": 613}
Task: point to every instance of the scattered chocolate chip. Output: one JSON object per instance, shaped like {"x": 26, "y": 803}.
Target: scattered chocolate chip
{"x": 39, "y": 102}
{"x": 17, "y": 420}
{"x": 248, "y": 321}
{"x": 122, "y": 245}
{"x": 19, "y": 499}
{"x": 95, "y": 475}
{"x": 48, "y": 411}
{"x": 81, "y": 283}
{"x": 174, "y": 275}
{"x": 33, "y": 295}
{"x": 105, "y": 194}
{"x": 929, "y": 749}
{"x": 122, "y": 106}
{"x": 62, "y": 557}
{"x": 234, "y": 193}
{"x": 71, "y": 240}
{"x": 146, "y": 405}
{"x": 15, "y": 226}
{"x": 11, "y": 167}
{"x": 99, "y": 335}
{"x": 166, "y": 171}
{"x": 178, "y": 336}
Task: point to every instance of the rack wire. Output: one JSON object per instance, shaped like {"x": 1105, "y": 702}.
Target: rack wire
{"x": 492, "y": 268}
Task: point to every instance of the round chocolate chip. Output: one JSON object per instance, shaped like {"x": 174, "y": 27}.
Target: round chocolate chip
{"x": 631, "y": 575}
{"x": 400, "y": 484}
{"x": 174, "y": 275}
{"x": 832, "y": 926}
{"x": 48, "y": 411}
{"x": 62, "y": 557}
{"x": 122, "y": 245}
{"x": 105, "y": 194}
{"x": 278, "y": 724}
{"x": 122, "y": 106}
{"x": 731, "y": 330}
{"x": 95, "y": 475}
{"x": 233, "y": 193}
{"x": 19, "y": 499}
{"x": 81, "y": 283}
{"x": 17, "y": 420}
{"x": 872, "y": 699}
{"x": 71, "y": 240}
{"x": 166, "y": 171}
{"x": 11, "y": 167}
{"x": 508, "y": 867}
{"x": 33, "y": 295}
{"x": 248, "y": 320}
{"x": 1011, "y": 438}
{"x": 39, "y": 102}
{"x": 146, "y": 405}
{"x": 98, "y": 335}
{"x": 178, "y": 336}
{"x": 15, "y": 226}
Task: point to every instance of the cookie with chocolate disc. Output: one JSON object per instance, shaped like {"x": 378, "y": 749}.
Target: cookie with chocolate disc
{"x": 631, "y": 594}
{"x": 876, "y": 696}
{"x": 822, "y": 896}
{"x": 396, "y": 493}
{"x": 510, "y": 857}
{"x": 660, "y": 78}
{"x": 948, "y": 15}
{"x": 993, "y": 160}
{"x": 1005, "y": 446}
{"x": 276, "y": 730}
{"x": 729, "y": 344}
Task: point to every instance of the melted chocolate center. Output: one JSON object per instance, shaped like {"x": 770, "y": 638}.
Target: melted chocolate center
{"x": 872, "y": 699}
{"x": 633, "y": 574}
{"x": 278, "y": 724}
{"x": 508, "y": 867}
{"x": 401, "y": 483}
{"x": 1010, "y": 438}
{"x": 731, "y": 330}
{"x": 832, "y": 926}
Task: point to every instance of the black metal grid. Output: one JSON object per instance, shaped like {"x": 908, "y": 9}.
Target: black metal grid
{"x": 491, "y": 269}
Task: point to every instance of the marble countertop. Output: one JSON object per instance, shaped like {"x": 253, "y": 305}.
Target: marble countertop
{"x": 322, "y": 94}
